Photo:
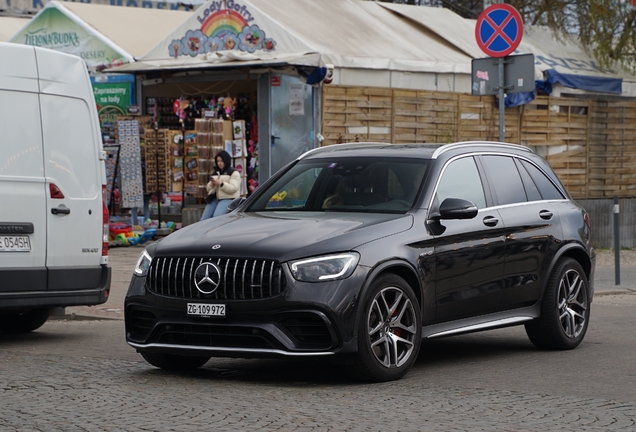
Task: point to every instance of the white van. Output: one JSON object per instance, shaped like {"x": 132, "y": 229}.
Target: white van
{"x": 53, "y": 219}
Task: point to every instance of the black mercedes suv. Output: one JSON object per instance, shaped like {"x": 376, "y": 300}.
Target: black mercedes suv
{"x": 359, "y": 251}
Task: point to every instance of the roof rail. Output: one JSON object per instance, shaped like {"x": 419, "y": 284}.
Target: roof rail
{"x": 448, "y": 147}
{"x": 335, "y": 146}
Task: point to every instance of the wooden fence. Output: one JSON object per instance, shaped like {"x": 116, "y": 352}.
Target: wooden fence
{"x": 590, "y": 143}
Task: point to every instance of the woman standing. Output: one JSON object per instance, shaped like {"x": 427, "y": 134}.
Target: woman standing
{"x": 223, "y": 187}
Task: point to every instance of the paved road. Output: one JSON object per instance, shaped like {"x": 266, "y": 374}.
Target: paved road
{"x": 80, "y": 375}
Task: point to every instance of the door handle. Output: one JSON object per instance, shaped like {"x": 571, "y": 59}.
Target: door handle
{"x": 545, "y": 214}
{"x": 60, "y": 210}
{"x": 490, "y": 221}
{"x": 274, "y": 138}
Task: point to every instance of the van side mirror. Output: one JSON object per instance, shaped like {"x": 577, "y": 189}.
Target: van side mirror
{"x": 457, "y": 208}
{"x": 234, "y": 204}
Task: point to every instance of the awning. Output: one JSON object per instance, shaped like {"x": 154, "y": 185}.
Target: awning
{"x": 345, "y": 33}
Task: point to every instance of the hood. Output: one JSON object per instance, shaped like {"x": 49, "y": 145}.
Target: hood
{"x": 281, "y": 236}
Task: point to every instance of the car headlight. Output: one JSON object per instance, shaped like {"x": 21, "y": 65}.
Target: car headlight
{"x": 325, "y": 268}
{"x": 143, "y": 263}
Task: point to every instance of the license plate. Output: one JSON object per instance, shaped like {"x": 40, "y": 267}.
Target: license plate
{"x": 15, "y": 244}
{"x": 206, "y": 310}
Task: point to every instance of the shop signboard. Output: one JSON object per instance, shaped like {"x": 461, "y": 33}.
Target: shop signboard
{"x": 112, "y": 99}
{"x": 52, "y": 29}
{"x": 221, "y": 26}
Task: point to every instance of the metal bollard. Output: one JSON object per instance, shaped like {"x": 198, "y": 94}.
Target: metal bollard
{"x": 617, "y": 245}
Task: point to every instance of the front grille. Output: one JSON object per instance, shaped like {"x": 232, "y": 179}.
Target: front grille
{"x": 215, "y": 335}
{"x": 241, "y": 279}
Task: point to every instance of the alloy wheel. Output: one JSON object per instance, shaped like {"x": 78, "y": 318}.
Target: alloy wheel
{"x": 572, "y": 303}
{"x": 392, "y": 327}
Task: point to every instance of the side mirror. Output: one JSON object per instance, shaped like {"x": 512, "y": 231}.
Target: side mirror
{"x": 457, "y": 208}
{"x": 234, "y": 204}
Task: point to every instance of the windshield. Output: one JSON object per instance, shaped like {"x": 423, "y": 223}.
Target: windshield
{"x": 345, "y": 184}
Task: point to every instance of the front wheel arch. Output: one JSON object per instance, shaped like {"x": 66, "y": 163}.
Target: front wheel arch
{"x": 397, "y": 267}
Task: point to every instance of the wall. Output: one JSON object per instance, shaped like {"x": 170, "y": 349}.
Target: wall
{"x": 590, "y": 143}
{"x": 601, "y": 213}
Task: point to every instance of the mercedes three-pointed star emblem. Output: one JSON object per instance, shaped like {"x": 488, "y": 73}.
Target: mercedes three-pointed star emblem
{"x": 207, "y": 277}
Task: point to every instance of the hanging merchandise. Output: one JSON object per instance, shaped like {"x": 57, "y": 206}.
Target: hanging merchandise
{"x": 127, "y": 132}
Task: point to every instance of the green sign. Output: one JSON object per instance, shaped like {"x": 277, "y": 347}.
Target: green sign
{"x": 53, "y": 29}
{"x": 112, "y": 100}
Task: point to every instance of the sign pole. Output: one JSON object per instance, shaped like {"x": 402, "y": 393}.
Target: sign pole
{"x": 498, "y": 33}
{"x": 502, "y": 107}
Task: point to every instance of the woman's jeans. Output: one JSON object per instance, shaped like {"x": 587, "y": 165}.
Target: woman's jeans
{"x": 216, "y": 208}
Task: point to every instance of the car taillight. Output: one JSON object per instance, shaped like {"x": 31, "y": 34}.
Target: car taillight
{"x": 105, "y": 221}
{"x": 588, "y": 223}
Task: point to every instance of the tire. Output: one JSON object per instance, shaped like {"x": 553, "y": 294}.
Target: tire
{"x": 174, "y": 362}
{"x": 24, "y": 322}
{"x": 389, "y": 331}
{"x": 565, "y": 309}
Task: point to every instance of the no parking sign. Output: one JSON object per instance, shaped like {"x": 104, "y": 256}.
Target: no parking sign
{"x": 499, "y": 30}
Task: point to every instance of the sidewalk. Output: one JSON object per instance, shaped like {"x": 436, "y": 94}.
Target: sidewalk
{"x": 123, "y": 260}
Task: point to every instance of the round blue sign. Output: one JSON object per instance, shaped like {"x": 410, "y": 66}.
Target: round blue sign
{"x": 499, "y": 30}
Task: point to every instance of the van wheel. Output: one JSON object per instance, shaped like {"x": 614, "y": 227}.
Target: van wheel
{"x": 565, "y": 309}
{"x": 23, "y": 322}
{"x": 173, "y": 362}
{"x": 389, "y": 331}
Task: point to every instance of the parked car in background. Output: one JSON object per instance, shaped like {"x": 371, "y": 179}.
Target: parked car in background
{"x": 53, "y": 220}
{"x": 357, "y": 252}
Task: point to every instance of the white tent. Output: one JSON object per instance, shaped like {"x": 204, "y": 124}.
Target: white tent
{"x": 366, "y": 43}
{"x": 11, "y": 25}
{"x": 100, "y": 34}
{"x": 564, "y": 55}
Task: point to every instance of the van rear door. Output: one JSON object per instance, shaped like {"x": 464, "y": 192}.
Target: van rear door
{"x": 22, "y": 185}
{"x": 72, "y": 147}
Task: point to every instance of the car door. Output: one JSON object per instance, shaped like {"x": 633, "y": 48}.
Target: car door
{"x": 533, "y": 230}
{"x": 469, "y": 253}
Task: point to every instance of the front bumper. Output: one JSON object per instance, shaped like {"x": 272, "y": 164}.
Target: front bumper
{"x": 306, "y": 319}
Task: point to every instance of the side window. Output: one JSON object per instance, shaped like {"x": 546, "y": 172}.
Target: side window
{"x": 528, "y": 184}
{"x": 461, "y": 180}
{"x": 506, "y": 180}
{"x": 546, "y": 187}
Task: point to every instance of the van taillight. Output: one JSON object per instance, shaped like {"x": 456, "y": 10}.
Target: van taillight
{"x": 55, "y": 191}
{"x": 105, "y": 221}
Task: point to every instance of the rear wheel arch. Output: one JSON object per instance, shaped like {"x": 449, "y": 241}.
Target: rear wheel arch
{"x": 574, "y": 251}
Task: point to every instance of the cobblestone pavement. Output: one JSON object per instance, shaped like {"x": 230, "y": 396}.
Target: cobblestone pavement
{"x": 81, "y": 376}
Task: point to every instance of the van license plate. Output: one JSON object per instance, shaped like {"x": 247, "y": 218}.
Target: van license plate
{"x": 15, "y": 244}
{"x": 206, "y": 310}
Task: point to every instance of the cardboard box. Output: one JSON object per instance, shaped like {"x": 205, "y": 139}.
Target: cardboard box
{"x": 228, "y": 133}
